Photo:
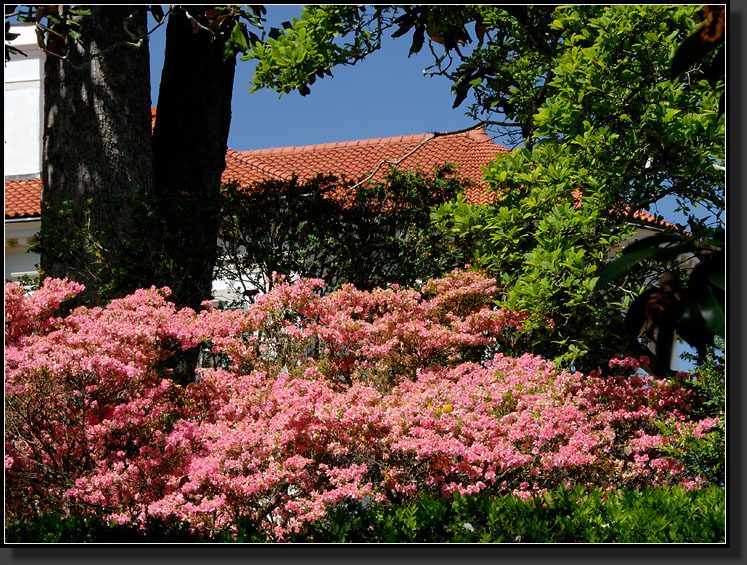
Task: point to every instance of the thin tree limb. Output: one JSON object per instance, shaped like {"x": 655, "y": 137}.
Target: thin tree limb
{"x": 406, "y": 155}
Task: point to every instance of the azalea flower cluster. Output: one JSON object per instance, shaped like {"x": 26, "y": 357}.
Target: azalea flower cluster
{"x": 304, "y": 401}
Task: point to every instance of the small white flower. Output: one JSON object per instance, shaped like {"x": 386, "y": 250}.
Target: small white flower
{"x": 469, "y": 527}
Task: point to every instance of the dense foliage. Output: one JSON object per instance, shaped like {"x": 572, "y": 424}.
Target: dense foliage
{"x": 606, "y": 130}
{"x": 706, "y": 456}
{"x": 613, "y": 136}
{"x": 695, "y": 310}
{"x": 651, "y": 515}
{"x": 654, "y": 515}
{"x": 402, "y": 410}
{"x": 371, "y": 235}
{"x": 305, "y": 401}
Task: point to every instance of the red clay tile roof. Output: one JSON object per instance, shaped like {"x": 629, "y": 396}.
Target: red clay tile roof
{"x": 370, "y": 158}
{"x": 649, "y": 219}
{"x": 353, "y": 160}
{"x": 22, "y": 198}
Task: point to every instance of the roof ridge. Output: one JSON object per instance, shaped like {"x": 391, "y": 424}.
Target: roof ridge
{"x": 476, "y": 133}
{"x": 479, "y": 134}
{"x": 415, "y": 138}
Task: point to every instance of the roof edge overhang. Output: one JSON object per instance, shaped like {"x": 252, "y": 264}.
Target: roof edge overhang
{"x": 23, "y": 219}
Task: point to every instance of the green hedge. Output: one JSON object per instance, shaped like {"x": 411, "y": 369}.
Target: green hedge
{"x": 654, "y": 515}
{"x": 54, "y": 528}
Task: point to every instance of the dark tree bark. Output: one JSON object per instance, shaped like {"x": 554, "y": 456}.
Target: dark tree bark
{"x": 122, "y": 208}
{"x": 96, "y": 142}
{"x": 189, "y": 149}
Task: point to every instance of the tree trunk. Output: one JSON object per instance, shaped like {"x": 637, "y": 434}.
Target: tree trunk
{"x": 96, "y": 145}
{"x": 189, "y": 149}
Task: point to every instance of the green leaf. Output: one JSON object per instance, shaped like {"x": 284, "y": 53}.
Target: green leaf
{"x": 417, "y": 40}
{"x": 718, "y": 280}
{"x": 621, "y": 265}
{"x": 712, "y": 312}
{"x": 79, "y": 12}
{"x": 237, "y": 41}
{"x": 157, "y": 12}
{"x": 460, "y": 89}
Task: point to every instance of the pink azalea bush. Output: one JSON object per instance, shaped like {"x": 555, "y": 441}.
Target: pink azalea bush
{"x": 304, "y": 401}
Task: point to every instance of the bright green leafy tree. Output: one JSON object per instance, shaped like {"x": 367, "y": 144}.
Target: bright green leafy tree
{"x": 613, "y": 136}
{"x": 693, "y": 309}
{"x": 606, "y": 132}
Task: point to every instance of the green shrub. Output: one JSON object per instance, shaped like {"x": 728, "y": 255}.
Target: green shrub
{"x": 655, "y": 515}
{"x": 706, "y": 456}
{"x": 561, "y": 516}
{"x": 382, "y": 235}
{"x": 52, "y": 527}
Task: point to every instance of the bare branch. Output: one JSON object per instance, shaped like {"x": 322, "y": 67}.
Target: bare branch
{"x": 137, "y": 41}
{"x": 433, "y": 136}
{"x": 439, "y": 60}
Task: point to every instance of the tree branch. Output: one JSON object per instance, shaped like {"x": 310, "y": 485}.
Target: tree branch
{"x": 136, "y": 42}
{"x": 406, "y": 155}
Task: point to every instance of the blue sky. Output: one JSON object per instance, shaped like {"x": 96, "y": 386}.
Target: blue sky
{"x": 384, "y": 95}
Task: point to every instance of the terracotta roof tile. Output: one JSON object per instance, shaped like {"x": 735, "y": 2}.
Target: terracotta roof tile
{"x": 352, "y": 160}
{"x": 651, "y": 220}
{"x": 22, "y": 198}
{"x": 356, "y": 160}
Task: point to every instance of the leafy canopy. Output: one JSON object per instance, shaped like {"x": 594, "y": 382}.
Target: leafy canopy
{"x": 606, "y": 132}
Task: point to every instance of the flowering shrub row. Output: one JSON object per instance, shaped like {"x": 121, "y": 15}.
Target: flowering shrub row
{"x": 306, "y": 401}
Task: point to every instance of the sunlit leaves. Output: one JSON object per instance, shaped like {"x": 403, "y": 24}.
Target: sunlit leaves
{"x": 610, "y": 135}
{"x": 308, "y": 48}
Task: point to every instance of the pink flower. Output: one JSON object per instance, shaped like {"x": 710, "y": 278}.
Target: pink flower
{"x": 308, "y": 400}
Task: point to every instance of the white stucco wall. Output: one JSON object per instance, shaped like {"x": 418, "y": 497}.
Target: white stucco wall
{"x": 18, "y": 237}
{"x": 23, "y": 110}
{"x": 23, "y": 107}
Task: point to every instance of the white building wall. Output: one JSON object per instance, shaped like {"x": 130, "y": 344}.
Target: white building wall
{"x": 23, "y": 107}
{"x": 18, "y": 262}
{"x": 23, "y": 97}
